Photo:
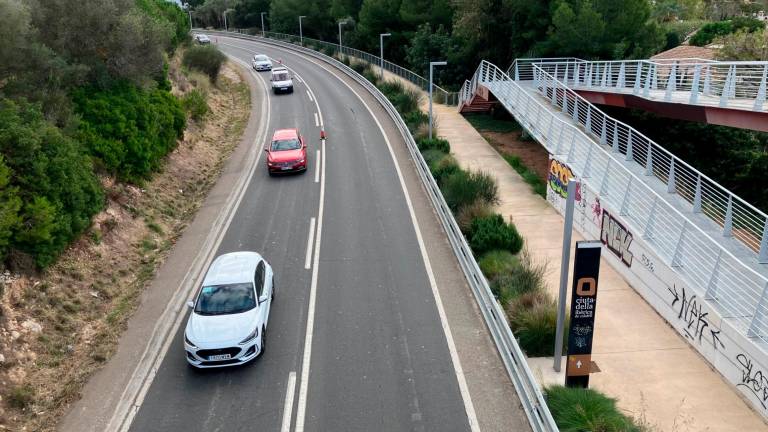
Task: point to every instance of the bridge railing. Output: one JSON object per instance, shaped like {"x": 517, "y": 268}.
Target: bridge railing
{"x": 737, "y": 85}
{"x": 716, "y": 274}
{"x": 439, "y": 94}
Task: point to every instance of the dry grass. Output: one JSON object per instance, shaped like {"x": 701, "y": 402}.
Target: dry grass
{"x": 83, "y": 302}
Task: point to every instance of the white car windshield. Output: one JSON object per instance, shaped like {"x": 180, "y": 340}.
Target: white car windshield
{"x": 226, "y": 299}
{"x": 289, "y": 144}
{"x": 280, "y": 77}
{"x": 261, "y": 58}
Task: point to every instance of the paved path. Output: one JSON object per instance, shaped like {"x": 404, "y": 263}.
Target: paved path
{"x": 644, "y": 363}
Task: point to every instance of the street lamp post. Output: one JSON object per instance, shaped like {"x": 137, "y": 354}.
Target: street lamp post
{"x": 381, "y": 51}
{"x": 340, "y": 44}
{"x": 301, "y": 32}
{"x": 189, "y": 11}
{"x": 262, "y": 23}
{"x": 225, "y": 21}
{"x": 431, "y": 65}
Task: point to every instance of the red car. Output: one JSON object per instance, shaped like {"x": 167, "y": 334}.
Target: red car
{"x": 287, "y": 152}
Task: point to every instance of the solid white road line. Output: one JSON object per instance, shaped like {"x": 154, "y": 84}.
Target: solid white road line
{"x": 133, "y": 397}
{"x": 463, "y": 389}
{"x": 288, "y": 407}
{"x": 310, "y": 96}
{"x": 309, "y": 242}
{"x": 317, "y": 122}
{"x": 317, "y": 167}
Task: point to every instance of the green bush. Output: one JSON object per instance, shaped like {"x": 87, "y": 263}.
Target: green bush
{"x": 371, "y": 76}
{"x": 709, "y": 32}
{"x": 206, "y": 59}
{"x": 468, "y": 213}
{"x": 533, "y": 320}
{"x": 435, "y": 143}
{"x": 443, "y": 168}
{"x": 129, "y": 129}
{"x": 195, "y": 104}
{"x": 497, "y": 263}
{"x": 359, "y": 67}
{"x": 415, "y": 119}
{"x": 579, "y": 410}
{"x": 20, "y": 397}
{"x": 48, "y": 191}
{"x": 526, "y": 277}
{"x": 462, "y": 188}
{"x": 489, "y": 233}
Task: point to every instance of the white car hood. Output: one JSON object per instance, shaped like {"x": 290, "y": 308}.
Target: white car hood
{"x": 207, "y": 330}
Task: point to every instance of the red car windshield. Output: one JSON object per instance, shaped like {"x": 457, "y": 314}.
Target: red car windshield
{"x": 287, "y": 144}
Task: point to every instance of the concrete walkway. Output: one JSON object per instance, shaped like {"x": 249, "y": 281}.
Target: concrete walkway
{"x": 644, "y": 363}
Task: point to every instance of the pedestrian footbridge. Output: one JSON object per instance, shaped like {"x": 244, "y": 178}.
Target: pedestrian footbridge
{"x": 709, "y": 241}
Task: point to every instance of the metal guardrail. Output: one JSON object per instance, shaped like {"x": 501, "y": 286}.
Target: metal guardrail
{"x": 735, "y": 85}
{"x": 439, "y": 94}
{"x": 737, "y": 217}
{"x": 714, "y": 273}
{"x": 514, "y": 360}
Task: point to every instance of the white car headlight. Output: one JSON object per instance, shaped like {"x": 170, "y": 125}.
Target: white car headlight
{"x": 254, "y": 334}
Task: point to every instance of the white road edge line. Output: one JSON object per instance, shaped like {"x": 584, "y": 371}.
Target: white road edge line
{"x": 309, "y": 243}
{"x": 288, "y": 407}
{"x": 317, "y": 122}
{"x": 310, "y": 96}
{"x": 317, "y": 167}
{"x": 463, "y": 388}
{"x": 124, "y": 415}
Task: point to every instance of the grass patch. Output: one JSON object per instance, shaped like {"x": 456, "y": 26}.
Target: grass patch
{"x": 533, "y": 319}
{"x": 488, "y": 123}
{"x": 538, "y": 185}
{"x": 463, "y": 188}
{"x": 21, "y": 397}
{"x": 492, "y": 233}
{"x": 577, "y": 410}
{"x": 498, "y": 263}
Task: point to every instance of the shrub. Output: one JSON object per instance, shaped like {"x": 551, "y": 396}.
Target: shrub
{"x": 434, "y": 143}
{"x": 462, "y": 188}
{"x": 359, "y": 67}
{"x": 433, "y": 157}
{"x": 195, "y": 104}
{"x": 526, "y": 277}
{"x": 20, "y": 397}
{"x": 129, "y": 129}
{"x": 370, "y": 75}
{"x": 444, "y": 167}
{"x": 497, "y": 263}
{"x": 709, "y": 32}
{"x": 577, "y": 410}
{"x": 204, "y": 58}
{"x": 533, "y": 320}
{"x": 415, "y": 119}
{"x": 491, "y": 233}
{"x": 468, "y": 213}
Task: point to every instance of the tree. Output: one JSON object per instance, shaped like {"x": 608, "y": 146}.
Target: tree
{"x": 247, "y": 13}
{"x": 744, "y": 46}
{"x": 427, "y": 45}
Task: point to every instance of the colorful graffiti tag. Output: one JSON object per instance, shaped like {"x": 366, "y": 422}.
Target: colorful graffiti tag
{"x": 618, "y": 239}
{"x": 559, "y": 174}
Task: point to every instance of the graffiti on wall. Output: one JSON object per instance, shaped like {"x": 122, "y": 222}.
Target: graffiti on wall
{"x": 753, "y": 379}
{"x": 559, "y": 174}
{"x": 695, "y": 321}
{"x": 618, "y": 239}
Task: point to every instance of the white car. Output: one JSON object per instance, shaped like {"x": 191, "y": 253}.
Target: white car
{"x": 202, "y": 39}
{"x": 228, "y": 322}
{"x": 261, "y": 62}
{"x": 281, "y": 80}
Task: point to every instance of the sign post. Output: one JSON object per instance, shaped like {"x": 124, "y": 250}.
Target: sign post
{"x": 586, "y": 269}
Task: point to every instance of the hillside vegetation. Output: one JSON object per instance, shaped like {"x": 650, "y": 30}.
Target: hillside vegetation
{"x": 84, "y": 95}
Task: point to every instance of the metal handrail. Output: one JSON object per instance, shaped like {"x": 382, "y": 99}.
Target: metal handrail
{"x": 713, "y": 272}
{"x": 512, "y": 356}
{"x": 440, "y": 95}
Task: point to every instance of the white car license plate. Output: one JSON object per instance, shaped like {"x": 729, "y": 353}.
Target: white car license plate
{"x": 285, "y": 168}
{"x": 219, "y": 357}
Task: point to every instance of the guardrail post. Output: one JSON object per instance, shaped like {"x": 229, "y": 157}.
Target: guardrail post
{"x": 711, "y": 292}
{"x": 757, "y": 315}
{"x": 615, "y": 148}
{"x": 604, "y": 181}
{"x": 697, "y": 196}
{"x": 728, "y": 224}
{"x": 671, "y": 83}
{"x": 671, "y": 177}
{"x": 567, "y": 67}
{"x": 603, "y": 130}
{"x": 625, "y": 201}
{"x": 517, "y": 71}
{"x": 576, "y": 110}
{"x": 604, "y": 81}
{"x": 695, "y": 85}
{"x": 629, "y": 144}
{"x": 622, "y": 73}
{"x": 589, "y": 75}
{"x": 648, "y": 81}
{"x": 762, "y": 256}
{"x": 649, "y": 160}
{"x": 730, "y": 81}
{"x": 675, "y": 261}
{"x": 655, "y": 81}
{"x": 760, "y": 99}
{"x": 572, "y": 148}
{"x": 588, "y": 122}
{"x": 638, "y": 77}
{"x": 560, "y": 141}
{"x": 707, "y": 90}
{"x": 648, "y": 230}
{"x": 554, "y": 93}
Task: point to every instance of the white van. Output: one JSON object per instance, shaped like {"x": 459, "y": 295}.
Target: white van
{"x": 281, "y": 80}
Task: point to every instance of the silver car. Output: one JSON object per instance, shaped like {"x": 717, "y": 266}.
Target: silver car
{"x": 228, "y": 322}
{"x": 261, "y": 62}
{"x": 202, "y": 39}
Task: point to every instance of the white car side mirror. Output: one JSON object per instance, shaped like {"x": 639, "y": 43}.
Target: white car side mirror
{"x": 190, "y": 304}
{"x": 263, "y": 298}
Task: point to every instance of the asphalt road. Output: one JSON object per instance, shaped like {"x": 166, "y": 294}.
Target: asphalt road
{"x": 379, "y": 359}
